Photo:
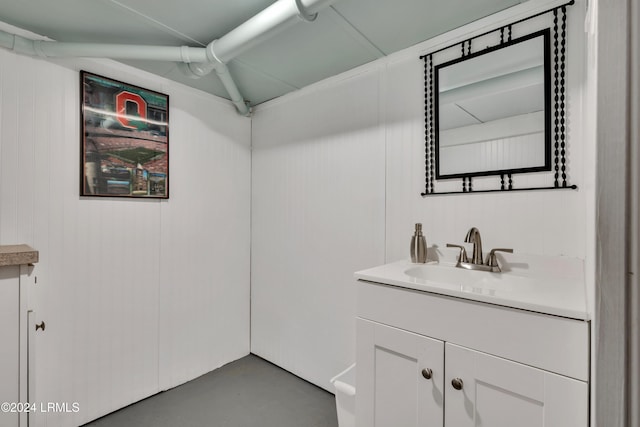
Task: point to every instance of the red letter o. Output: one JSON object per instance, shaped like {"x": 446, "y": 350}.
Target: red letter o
{"x": 121, "y": 107}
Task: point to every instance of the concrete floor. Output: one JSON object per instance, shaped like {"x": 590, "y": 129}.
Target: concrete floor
{"x": 245, "y": 393}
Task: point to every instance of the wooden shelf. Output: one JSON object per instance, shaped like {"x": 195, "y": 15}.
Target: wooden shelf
{"x": 17, "y": 255}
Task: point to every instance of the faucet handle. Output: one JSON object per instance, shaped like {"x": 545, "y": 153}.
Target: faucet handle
{"x": 492, "y": 260}
{"x": 463, "y": 252}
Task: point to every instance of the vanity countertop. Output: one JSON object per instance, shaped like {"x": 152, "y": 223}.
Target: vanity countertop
{"x": 559, "y": 290}
{"x": 11, "y": 255}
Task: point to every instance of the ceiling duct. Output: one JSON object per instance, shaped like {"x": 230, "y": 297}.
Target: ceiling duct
{"x": 198, "y": 61}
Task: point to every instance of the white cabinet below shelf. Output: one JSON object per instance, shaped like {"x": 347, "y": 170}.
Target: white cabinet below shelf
{"x": 402, "y": 332}
{"x": 16, "y": 262}
{"x": 10, "y": 339}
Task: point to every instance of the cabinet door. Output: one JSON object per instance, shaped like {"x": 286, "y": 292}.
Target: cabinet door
{"x": 500, "y": 393}
{"x": 9, "y": 341}
{"x": 391, "y": 389}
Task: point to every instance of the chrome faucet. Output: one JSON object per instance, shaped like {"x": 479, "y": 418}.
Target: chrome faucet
{"x": 473, "y": 236}
{"x": 476, "y": 263}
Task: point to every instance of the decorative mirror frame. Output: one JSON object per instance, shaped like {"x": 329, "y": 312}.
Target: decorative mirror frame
{"x": 544, "y": 39}
{"x": 558, "y": 132}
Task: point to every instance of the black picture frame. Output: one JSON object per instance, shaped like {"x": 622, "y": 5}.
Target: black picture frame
{"x": 124, "y": 142}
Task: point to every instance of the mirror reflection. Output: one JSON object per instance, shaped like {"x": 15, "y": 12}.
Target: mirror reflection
{"x": 493, "y": 110}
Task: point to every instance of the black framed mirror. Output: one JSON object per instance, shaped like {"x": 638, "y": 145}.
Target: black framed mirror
{"x": 493, "y": 110}
{"x": 498, "y": 111}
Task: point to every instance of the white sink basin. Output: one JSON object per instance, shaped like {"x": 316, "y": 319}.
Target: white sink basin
{"x": 445, "y": 274}
{"x": 545, "y": 290}
{"x": 468, "y": 280}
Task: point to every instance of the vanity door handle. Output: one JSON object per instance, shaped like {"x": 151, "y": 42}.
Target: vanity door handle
{"x": 457, "y": 383}
{"x": 427, "y": 373}
{"x": 42, "y": 325}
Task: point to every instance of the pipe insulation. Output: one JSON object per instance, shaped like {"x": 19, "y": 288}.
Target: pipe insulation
{"x": 198, "y": 61}
{"x": 51, "y": 49}
{"x": 236, "y": 97}
{"x": 275, "y": 18}
{"x": 272, "y": 20}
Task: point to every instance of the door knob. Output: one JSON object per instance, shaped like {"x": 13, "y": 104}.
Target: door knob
{"x": 427, "y": 373}
{"x": 42, "y": 325}
{"x": 456, "y": 383}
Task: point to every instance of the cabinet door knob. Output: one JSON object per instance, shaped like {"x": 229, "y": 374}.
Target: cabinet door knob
{"x": 41, "y": 326}
{"x": 456, "y": 383}
{"x": 427, "y": 373}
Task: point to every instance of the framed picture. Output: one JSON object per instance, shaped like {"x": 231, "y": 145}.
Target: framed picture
{"x": 125, "y": 139}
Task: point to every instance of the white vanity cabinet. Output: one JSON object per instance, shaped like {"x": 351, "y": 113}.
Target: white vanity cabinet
{"x": 500, "y": 393}
{"x": 400, "y": 377}
{"x": 489, "y": 365}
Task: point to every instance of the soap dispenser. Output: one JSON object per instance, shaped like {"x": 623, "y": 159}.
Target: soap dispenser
{"x": 418, "y": 246}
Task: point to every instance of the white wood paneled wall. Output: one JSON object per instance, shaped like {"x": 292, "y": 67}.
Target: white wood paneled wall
{"x": 137, "y": 295}
{"x": 205, "y": 248}
{"x": 318, "y": 216}
{"x": 317, "y": 158}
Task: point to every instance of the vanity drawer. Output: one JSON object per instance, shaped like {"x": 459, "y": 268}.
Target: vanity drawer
{"x": 552, "y": 343}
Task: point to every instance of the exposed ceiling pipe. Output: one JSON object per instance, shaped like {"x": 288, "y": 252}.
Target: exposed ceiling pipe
{"x": 262, "y": 26}
{"x": 197, "y": 61}
{"x": 51, "y": 49}
{"x": 236, "y": 97}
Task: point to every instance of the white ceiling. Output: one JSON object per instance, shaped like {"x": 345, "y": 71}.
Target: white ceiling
{"x": 348, "y": 34}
